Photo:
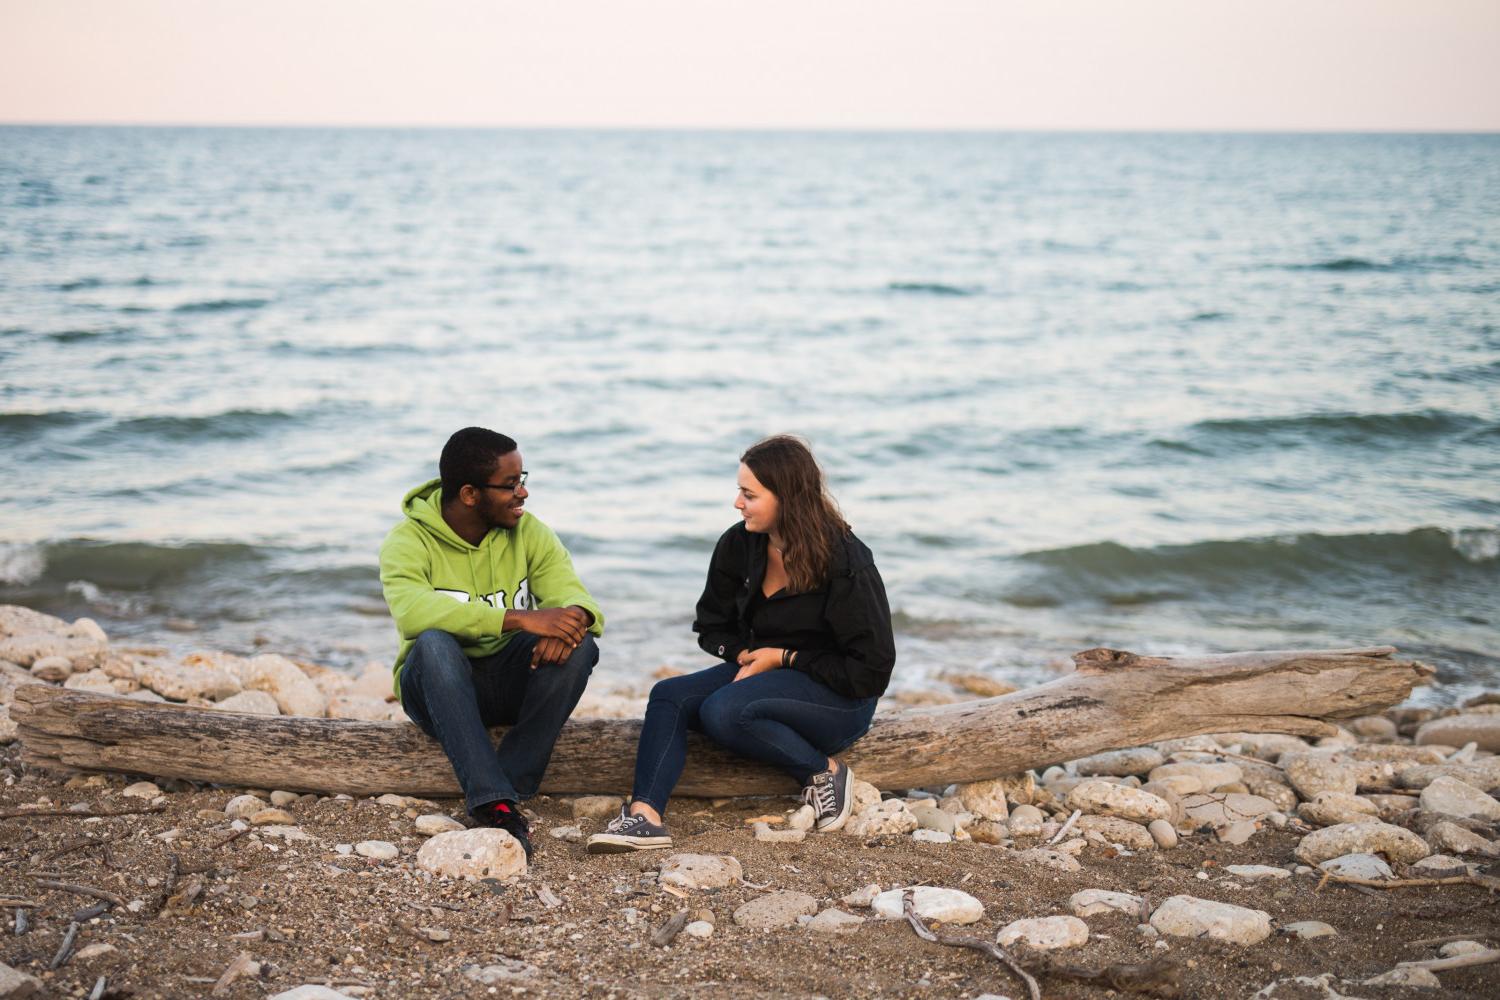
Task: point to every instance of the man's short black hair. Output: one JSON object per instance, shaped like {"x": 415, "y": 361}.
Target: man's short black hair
{"x": 470, "y": 457}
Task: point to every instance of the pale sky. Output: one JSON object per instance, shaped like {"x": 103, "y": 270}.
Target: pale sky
{"x": 935, "y": 64}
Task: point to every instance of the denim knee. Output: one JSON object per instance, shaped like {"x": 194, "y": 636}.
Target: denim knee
{"x": 721, "y": 717}
{"x": 672, "y": 690}
{"x": 437, "y": 656}
{"x": 580, "y": 663}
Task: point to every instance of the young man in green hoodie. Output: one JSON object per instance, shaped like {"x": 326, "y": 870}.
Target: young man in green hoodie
{"x": 495, "y": 627}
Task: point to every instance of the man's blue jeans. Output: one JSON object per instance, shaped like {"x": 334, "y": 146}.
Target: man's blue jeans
{"x": 456, "y": 699}
{"x": 782, "y": 716}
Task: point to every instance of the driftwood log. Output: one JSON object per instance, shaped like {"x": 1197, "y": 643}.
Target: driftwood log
{"x": 1113, "y": 700}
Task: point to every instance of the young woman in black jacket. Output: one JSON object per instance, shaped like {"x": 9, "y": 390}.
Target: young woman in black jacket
{"x": 796, "y": 612}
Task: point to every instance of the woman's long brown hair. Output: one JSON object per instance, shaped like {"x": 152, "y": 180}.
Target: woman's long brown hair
{"x": 809, "y": 520}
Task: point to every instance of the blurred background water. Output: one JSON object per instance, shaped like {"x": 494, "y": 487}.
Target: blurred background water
{"x": 1160, "y": 392}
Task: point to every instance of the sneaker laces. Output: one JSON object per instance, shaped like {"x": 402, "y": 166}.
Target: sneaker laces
{"x": 821, "y": 794}
{"x": 623, "y": 822}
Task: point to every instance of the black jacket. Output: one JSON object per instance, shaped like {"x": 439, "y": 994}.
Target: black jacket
{"x": 841, "y": 631}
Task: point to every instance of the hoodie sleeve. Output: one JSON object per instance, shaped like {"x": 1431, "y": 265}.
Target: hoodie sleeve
{"x": 406, "y": 578}
{"x": 551, "y": 578}
{"x": 859, "y": 616}
{"x": 717, "y": 621}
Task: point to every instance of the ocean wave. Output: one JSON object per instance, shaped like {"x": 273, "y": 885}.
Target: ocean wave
{"x": 20, "y": 564}
{"x": 229, "y": 425}
{"x": 15, "y": 427}
{"x": 1341, "y": 428}
{"x": 118, "y": 565}
{"x": 1418, "y": 263}
{"x": 1121, "y": 574}
{"x": 221, "y": 305}
{"x": 929, "y": 288}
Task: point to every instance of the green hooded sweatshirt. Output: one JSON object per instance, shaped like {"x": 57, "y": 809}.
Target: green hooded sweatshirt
{"x": 434, "y": 579}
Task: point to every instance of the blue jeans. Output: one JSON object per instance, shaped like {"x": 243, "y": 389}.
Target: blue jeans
{"x": 456, "y": 700}
{"x": 782, "y": 717}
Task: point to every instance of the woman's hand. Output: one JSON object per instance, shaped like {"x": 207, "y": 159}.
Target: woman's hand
{"x": 758, "y": 661}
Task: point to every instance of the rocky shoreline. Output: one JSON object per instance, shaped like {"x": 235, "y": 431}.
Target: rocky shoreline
{"x": 1239, "y": 864}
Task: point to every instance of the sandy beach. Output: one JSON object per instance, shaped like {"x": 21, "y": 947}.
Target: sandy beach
{"x": 121, "y": 886}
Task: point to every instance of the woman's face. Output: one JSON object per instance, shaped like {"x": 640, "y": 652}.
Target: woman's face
{"x": 756, "y": 504}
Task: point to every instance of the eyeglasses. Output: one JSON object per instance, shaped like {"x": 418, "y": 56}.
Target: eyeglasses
{"x": 505, "y": 487}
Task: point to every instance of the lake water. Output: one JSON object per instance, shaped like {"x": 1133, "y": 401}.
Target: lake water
{"x": 1158, "y": 392}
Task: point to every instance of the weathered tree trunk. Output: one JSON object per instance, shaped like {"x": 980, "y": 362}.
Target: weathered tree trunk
{"x": 1113, "y": 700}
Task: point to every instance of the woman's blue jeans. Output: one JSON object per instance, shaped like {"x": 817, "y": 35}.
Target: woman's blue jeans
{"x": 783, "y": 717}
{"x": 456, "y": 700}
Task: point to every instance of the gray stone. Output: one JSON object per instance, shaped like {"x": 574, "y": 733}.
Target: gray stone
{"x": 1440, "y": 866}
{"x": 601, "y": 808}
{"x": 931, "y": 837}
{"x": 699, "y": 929}
{"x": 775, "y": 909}
{"x": 1407, "y": 975}
{"x": 1045, "y": 933}
{"x": 1187, "y": 916}
{"x": 1025, "y": 821}
{"x": 862, "y": 897}
{"x": 1120, "y": 763}
{"x": 1395, "y": 843}
{"x": 1307, "y": 929}
{"x": 1454, "y": 839}
{"x": 1457, "y": 798}
{"x": 832, "y": 921}
{"x": 1047, "y": 858}
{"x": 17, "y": 985}
{"x": 882, "y": 819}
{"x": 764, "y": 832}
{"x": 243, "y": 806}
{"x": 311, "y": 991}
{"x": 507, "y": 970}
{"x": 932, "y": 818}
{"x": 1096, "y": 902}
{"x": 435, "y": 823}
{"x": 378, "y": 850}
{"x": 701, "y": 871}
{"x": 141, "y": 790}
{"x": 1333, "y": 808}
{"x": 1313, "y": 773}
{"x": 949, "y": 906}
{"x": 1163, "y": 833}
{"x": 1455, "y": 948}
{"x": 1220, "y": 809}
{"x": 1366, "y": 866}
{"x": 1118, "y": 830}
{"x": 1104, "y": 799}
{"x": 485, "y": 852}
{"x": 1256, "y": 873}
{"x": 1456, "y": 730}
{"x": 1210, "y": 775}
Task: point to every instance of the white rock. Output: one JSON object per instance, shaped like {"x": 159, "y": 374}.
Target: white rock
{"x": 572, "y": 834}
{"x": 1257, "y": 873}
{"x": 882, "y": 818}
{"x": 931, "y": 818}
{"x": 1025, "y": 821}
{"x": 1440, "y": 866}
{"x": 1210, "y": 775}
{"x": 283, "y": 680}
{"x": 365, "y": 709}
{"x": 926, "y": 836}
{"x": 949, "y": 906}
{"x": 1333, "y": 808}
{"x": 832, "y": 921}
{"x": 985, "y": 799}
{"x": 1118, "y": 830}
{"x": 435, "y": 823}
{"x": 1454, "y": 839}
{"x": 1455, "y": 948}
{"x": 1045, "y": 933}
{"x": 284, "y": 798}
{"x": 243, "y": 806}
{"x": 1358, "y": 866}
{"x": 862, "y": 795}
{"x": 1236, "y": 833}
{"x": 1187, "y": 916}
{"x": 1094, "y": 902}
{"x": 1457, "y": 798}
{"x": 1047, "y": 858}
{"x": 1163, "y": 833}
{"x": 379, "y": 850}
{"x": 764, "y": 832}
{"x": 1453, "y": 731}
{"x": 283, "y": 832}
{"x": 862, "y": 897}
{"x": 1219, "y": 809}
{"x": 142, "y": 790}
{"x": 311, "y": 991}
{"x": 92, "y": 681}
{"x": 507, "y": 970}
{"x": 1313, "y": 773}
{"x": 1120, "y": 763}
{"x": 775, "y": 909}
{"x": 25, "y": 650}
{"x": 181, "y": 682}
{"x": 1394, "y": 842}
{"x": 601, "y": 808}
{"x": 1307, "y": 929}
{"x": 1407, "y": 975}
{"x": 485, "y": 852}
{"x": 801, "y": 819}
{"x": 699, "y": 929}
{"x": 399, "y": 801}
{"x": 93, "y": 951}
{"x": 249, "y": 703}
{"x": 1104, "y": 799}
{"x": 701, "y": 871}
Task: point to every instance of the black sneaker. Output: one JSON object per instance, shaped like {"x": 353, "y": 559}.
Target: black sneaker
{"x": 828, "y": 792}
{"x": 628, "y": 832}
{"x": 505, "y": 816}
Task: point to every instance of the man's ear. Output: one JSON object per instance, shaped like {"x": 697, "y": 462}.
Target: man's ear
{"x": 468, "y": 495}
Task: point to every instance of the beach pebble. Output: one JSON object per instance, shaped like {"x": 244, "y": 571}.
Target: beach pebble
{"x": 1484, "y": 773}
{"x": 1450, "y": 838}
{"x": 1187, "y": 916}
{"x": 379, "y": 850}
{"x": 862, "y": 795}
{"x": 832, "y": 921}
{"x": 1025, "y": 821}
{"x": 399, "y": 801}
{"x": 1096, "y": 902}
{"x": 1394, "y": 842}
{"x": 1333, "y": 808}
{"x": 1440, "y": 866}
{"x": 763, "y": 832}
{"x": 1118, "y": 830}
{"x": 931, "y": 818}
{"x": 436, "y": 823}
{"x": 1236, "y": 833}
{"x": 1210, "y": 775}
{"x": 1453, "y": 948}
{"x": 141, "y": 790}
{"x": 360, "y": 707}
{"x": 572, "y": 833}
{"x": 985, "y": 799}
{"x": 52, "y": 668}
{"x": 92, "y": 681}
{"x": 1454, "y": 730}
{"x": 266, "y": 817}
{"x": 888, "y": 817}
{"x": 481, "y": 853}
{"x": 600, "y": 808}
{"x": 1373, "y": 727}
{"x": 1457, "y": 798}
{"x": 1163, "y": 833}
{"x": 1177, "y": 785}
{"x": 1407, "y": 975}
{"x": 1045, "y": 933}
{"x": 1218, "y": 809}
{"x": 1047, "y": 858}
{"x": 862, "y": 897}
{"x": 1256, "y": 873}
{"x": 1307, "y": 929}
{"x": 925, "y": 836}
{"x": 701, "y": 871}
{"x": 294, "y": 691}
{"x": 1104, "y": 799}
{"x": 1390, "y": 806}
{"x": 180, "y": 682}
{"x": 1120, "y": 763}
{"x": 281, "y": 832}
{"x": 984, "y": 831}
{"x": 310, "y": 991}
{"x": 283, "y": 798}
{"x": 1366, "y": 866}
{"x": 1313, "y": 773}
{"x": 243, "y": 806}
{"x": 775, "y": 909}
{"x": 698, "y": 929}
{"x": 249, "y": 703}
{"x": 949, "y": 906}
{"x": 801, "y": 819}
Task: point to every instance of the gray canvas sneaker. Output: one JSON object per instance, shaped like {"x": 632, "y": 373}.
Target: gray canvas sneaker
{"x": 829, "y": 794}
{"x": 628, "y": 832}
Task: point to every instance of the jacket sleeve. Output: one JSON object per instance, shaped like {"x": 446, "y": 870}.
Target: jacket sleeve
{"x": 406, "y": 579}
{"x": 859, "y": 616}
{"x": 552, "y": 579}
{"x": 717, "y": 621}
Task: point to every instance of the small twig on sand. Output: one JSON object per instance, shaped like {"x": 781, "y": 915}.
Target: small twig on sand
{"x": 241, "y": 965}
{"x": 1432, "y": 942}
{"x": 1456, "y": 962}
{"x": 66, "y": 951}
{"x": 1060, "y": 834}
{"x": 236, "y": 835}
{"x": 68, "y": 848}
{"x": 80, "y": 813}
{"x": 909, "y": 906}
{"x": 168, "y": 884}
{"x": 9, "y": 901}
{"x": 89, "y": 913}
{"x": 667, "y": 932}
{"x": 1482, "y": 881}
{"x": 98, "y": 991}
{"x": 1160, "y": 977}
{"x": 82, "y": 890}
